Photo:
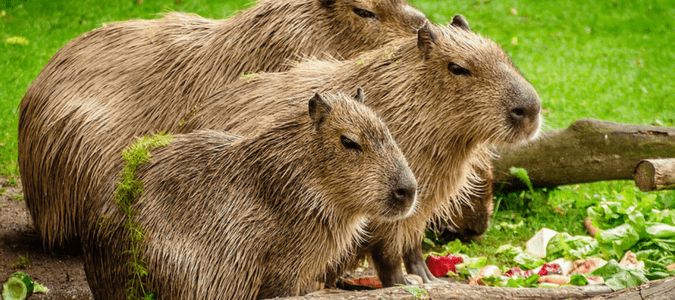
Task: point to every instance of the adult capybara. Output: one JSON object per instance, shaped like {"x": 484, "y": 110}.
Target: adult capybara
{"x": 444, "y": 94}
{"x": 259, "y": 216}
{"x": 133, "y": 77}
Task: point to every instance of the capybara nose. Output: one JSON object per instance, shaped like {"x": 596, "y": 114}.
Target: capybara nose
{"x": 405, "y": 195}
{"x": 525, "y": 114}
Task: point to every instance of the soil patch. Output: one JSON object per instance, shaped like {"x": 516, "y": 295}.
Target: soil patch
{"x": 62, "y": 273}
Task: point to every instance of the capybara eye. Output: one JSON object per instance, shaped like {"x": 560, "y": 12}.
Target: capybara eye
{"x": 365, "y": 13}
{"x": 349, "y": 144}
{"x": 457, "y": 70}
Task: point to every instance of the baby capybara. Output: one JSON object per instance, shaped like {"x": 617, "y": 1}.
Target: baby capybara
{"x": 444, "y": 94}
{"x": 257, "y": 216}
{"x": 130, "y": 78}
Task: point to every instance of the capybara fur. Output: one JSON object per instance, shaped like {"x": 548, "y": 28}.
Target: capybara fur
{"x": 444, "y": 94}
{"x": 258, "y": 216}
{"x": 130, "y": 78}
{"x": 473, "y": 218}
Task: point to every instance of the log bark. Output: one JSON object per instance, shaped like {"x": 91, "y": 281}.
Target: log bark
{"x": 655, "y": 174}
{"x": 587, "y": 151}
{"x": 464, "y": 291}
{"x": 653, "y": 290}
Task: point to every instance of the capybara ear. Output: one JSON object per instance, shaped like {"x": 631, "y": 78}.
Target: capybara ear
{"x": 359, "y": 95}
{"x": 318, "y": 110}
{"x": 327, "y": 3}
{"x": 426, "y": 40}
{"x": 460, "y": 22}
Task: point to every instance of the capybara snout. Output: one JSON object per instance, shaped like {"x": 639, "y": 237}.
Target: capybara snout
{"x": 403, "y": 197}
{"x": 523, "y": 110}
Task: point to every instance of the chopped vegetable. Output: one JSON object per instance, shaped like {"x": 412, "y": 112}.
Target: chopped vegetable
{"x": 617, "y": 277}
{"x": 487, "y": 271}
{"x": 17, "y": 287}
{"x": 578, "y": 279}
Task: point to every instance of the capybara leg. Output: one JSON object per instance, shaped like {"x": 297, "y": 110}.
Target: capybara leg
{"x": 388, "y": 266}
{"x": 414, "y": 264}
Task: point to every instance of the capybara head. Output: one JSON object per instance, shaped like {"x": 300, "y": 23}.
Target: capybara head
{"x": 371, "y": 22}
{"x": 473, "y": 218}
{"x": 476, "y": 72}
{"x": 359, "y": 160}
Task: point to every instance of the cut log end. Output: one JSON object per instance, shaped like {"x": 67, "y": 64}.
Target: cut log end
{"x": 655, "y": 174}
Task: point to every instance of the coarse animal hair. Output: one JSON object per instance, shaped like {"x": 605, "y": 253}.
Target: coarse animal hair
{"x": 441, "y": 120}
{"x": 130, "y": 78}
{"x": 253, "y": 217}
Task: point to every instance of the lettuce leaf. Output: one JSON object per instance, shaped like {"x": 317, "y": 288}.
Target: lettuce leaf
{"x": 617, "y": 277}
{"x": 571, "y": 247}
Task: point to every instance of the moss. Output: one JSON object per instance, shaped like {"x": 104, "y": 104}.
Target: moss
{"x": 23, "y": 263}
{"x": 249, "y": 77}
{"x": 128, "y": 189}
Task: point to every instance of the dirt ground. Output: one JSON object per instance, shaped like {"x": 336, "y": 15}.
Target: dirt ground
{"x": 62, "y": 273}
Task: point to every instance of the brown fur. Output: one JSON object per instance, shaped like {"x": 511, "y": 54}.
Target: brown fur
{"x": 442, "y": 121}
{"x": 133, "y": 77}
{"x": 474, "y": 218}
{"x": 254, "y": 217}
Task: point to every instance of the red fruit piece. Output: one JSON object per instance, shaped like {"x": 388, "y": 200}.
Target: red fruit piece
{"x": 514, "y": 271}
{"x": 370, "y": 281}
{"x": 548, "y": 269}
{"x": 440, "y": 265}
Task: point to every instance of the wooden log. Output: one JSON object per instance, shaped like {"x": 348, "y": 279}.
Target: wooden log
{"x": 463, "y": 291}
{"x": 653, "y": 290}
{"x": 587, "y": 151}
{"x": 655, "y": 174}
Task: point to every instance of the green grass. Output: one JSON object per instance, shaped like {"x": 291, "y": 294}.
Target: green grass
{"x": 48, "y": 25}
{"x": 610, "y": 60}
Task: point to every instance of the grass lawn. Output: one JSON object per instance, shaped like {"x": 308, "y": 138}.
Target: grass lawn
{"x": 610, "y": 60}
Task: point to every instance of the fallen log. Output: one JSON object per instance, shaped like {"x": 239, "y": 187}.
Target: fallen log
{"x": 655, "y": 174}
{"x": 587, "y": 151}
{"x": 657, "y": 289}
{"x": 463, "y": 291}
{"x": 653, "y": 290}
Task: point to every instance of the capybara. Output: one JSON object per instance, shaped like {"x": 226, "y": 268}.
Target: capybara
{"x": 444, "y": 94}
{"x": 473, "y": 218}
{"x": 133, "y": 77}
{"x": 258, "y": 216}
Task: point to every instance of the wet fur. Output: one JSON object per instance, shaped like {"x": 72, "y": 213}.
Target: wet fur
{"x": 130, "y": 78}
{"x": 441, "y": 121}
{"x": 250, "y": 217}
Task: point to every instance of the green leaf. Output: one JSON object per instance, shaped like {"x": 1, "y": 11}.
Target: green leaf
{"x": 509, "y": 251}
{"x": 614, "y": 242}
{"x": 523, "y": 176}
{"x": 38, "y": 288}
{"x": 527, "y": 262}
{"x": 616, "y": 277}
{"x": 578, "y": 279}
{"x": 571, "y": 248}
{"x": 660, "y": 230}
{"x": 429, "y": 242}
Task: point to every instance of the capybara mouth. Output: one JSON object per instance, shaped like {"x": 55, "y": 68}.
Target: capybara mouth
{"x": 399, "y": 211}
{"x": 450, "y": 233}
{"x": 521, "y": 131}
